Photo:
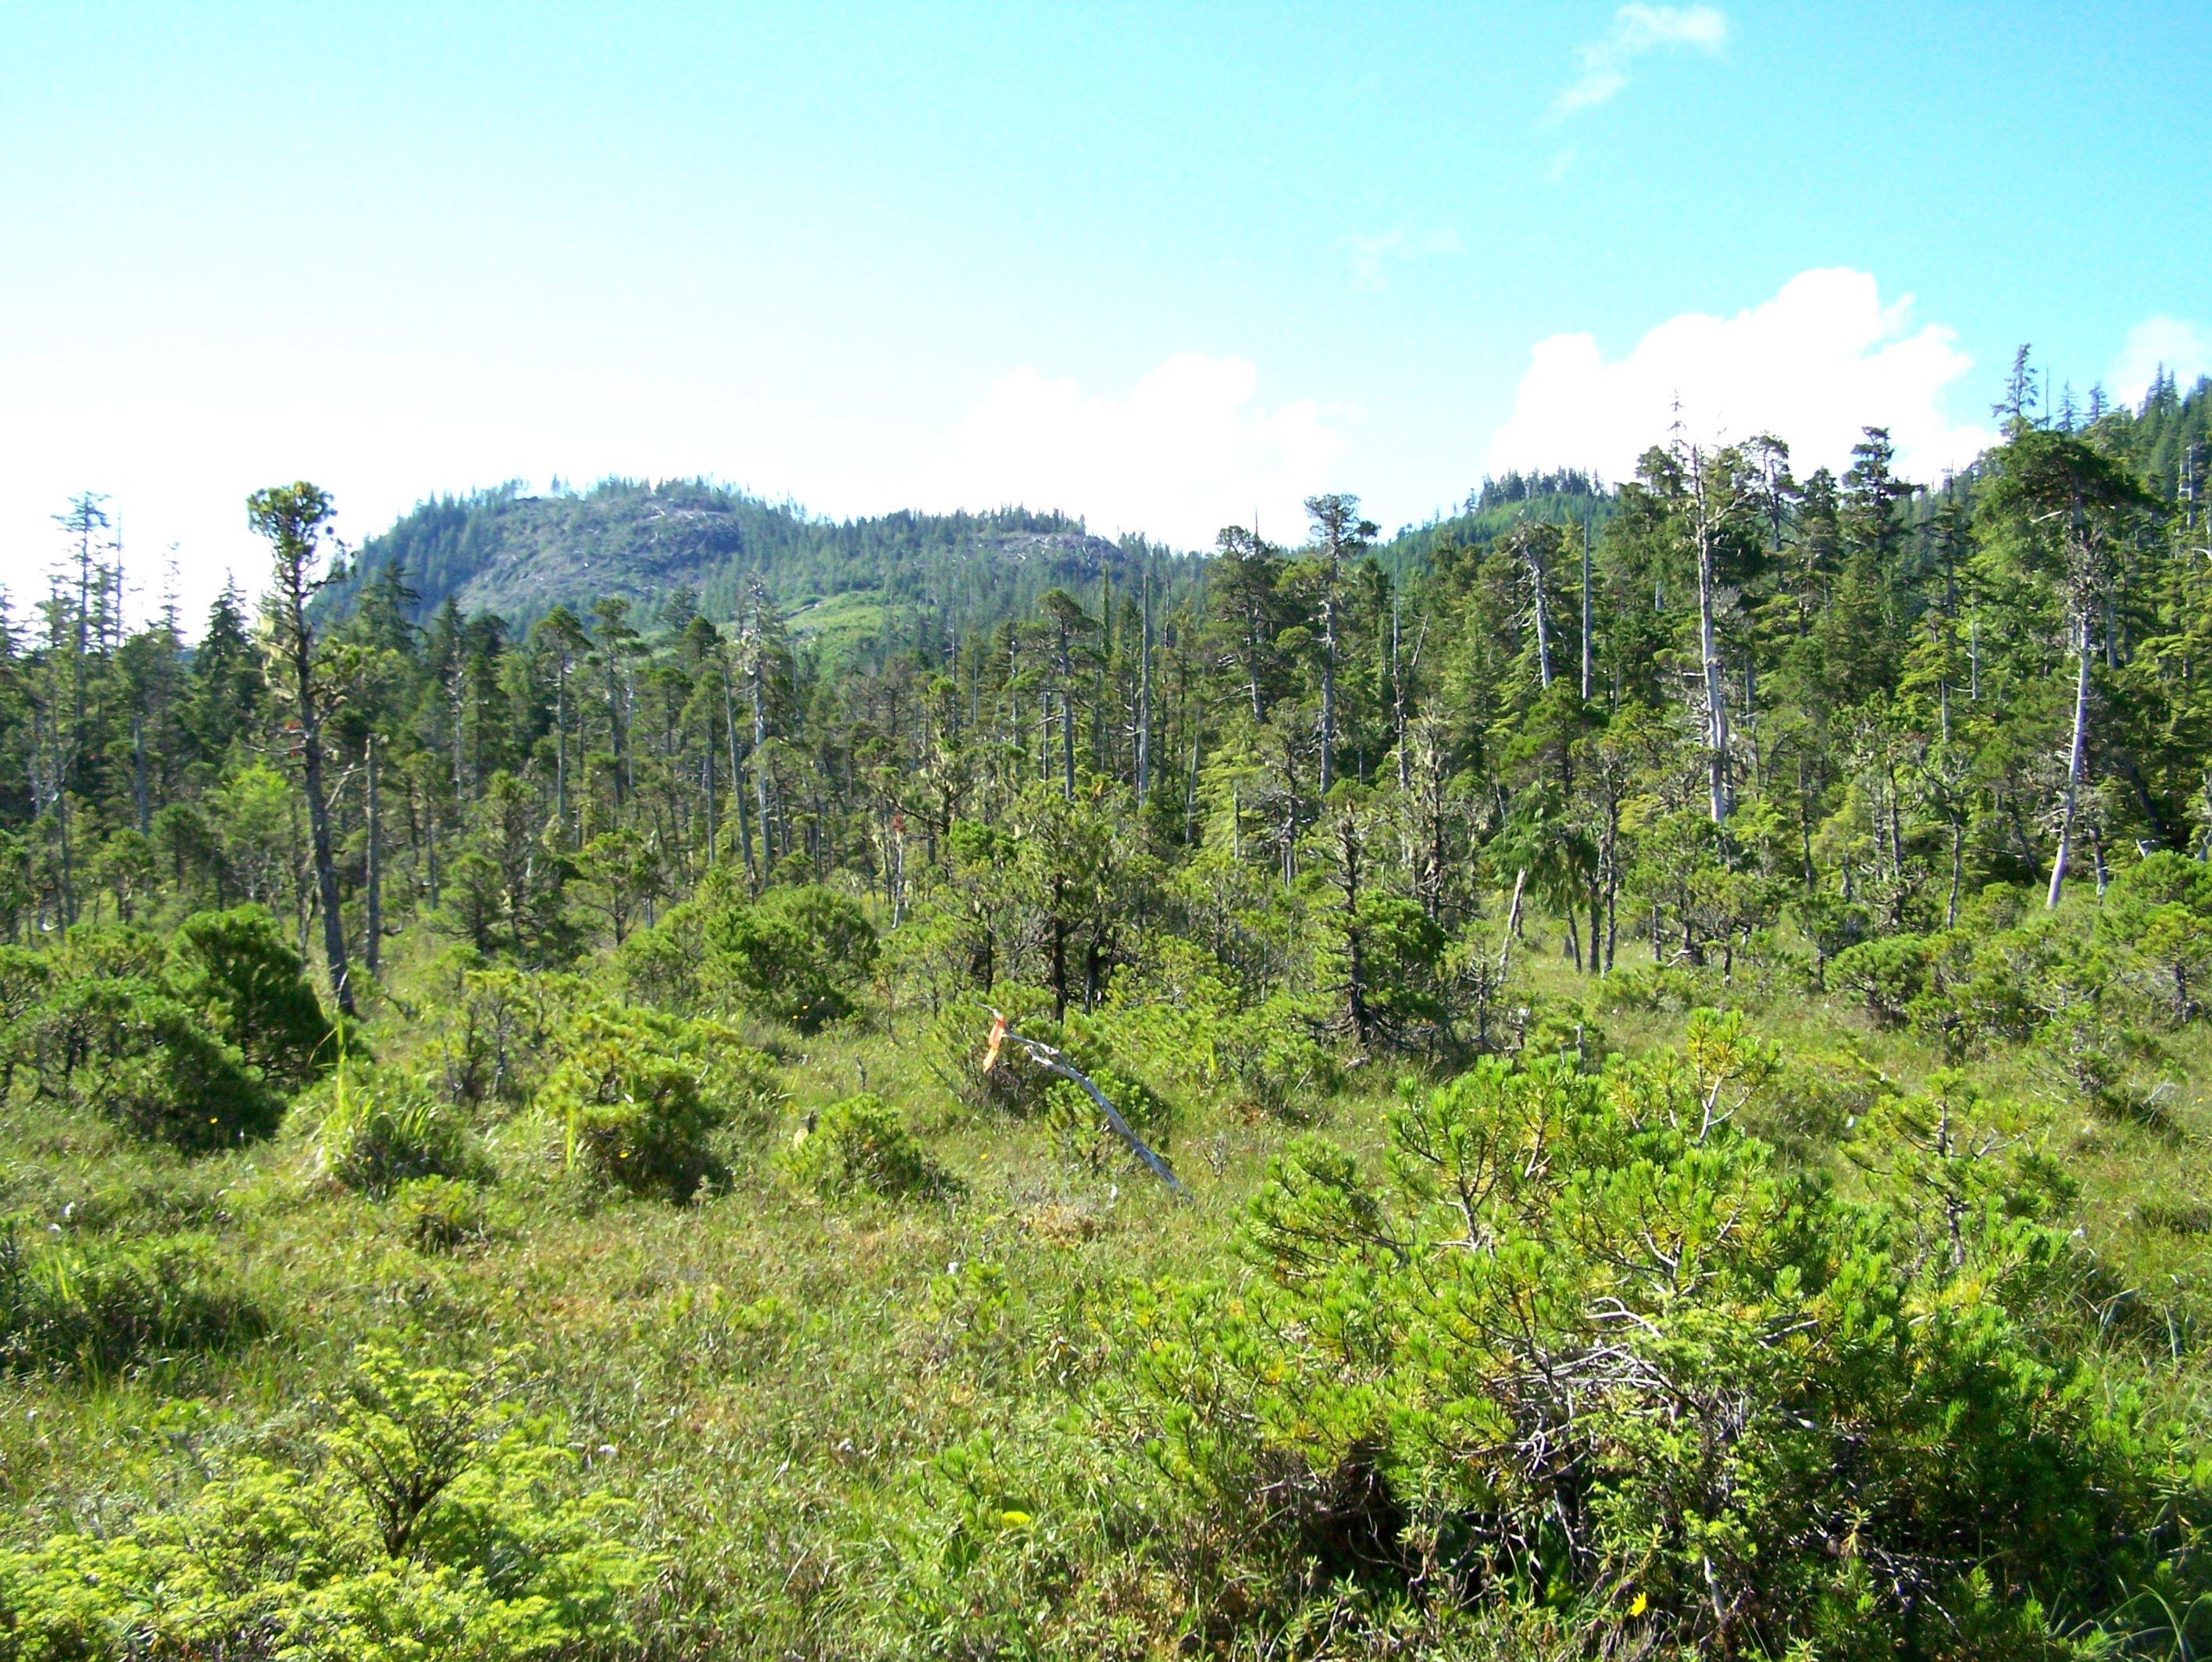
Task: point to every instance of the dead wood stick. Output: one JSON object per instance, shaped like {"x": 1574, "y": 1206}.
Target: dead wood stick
{"x": 1512, "y": 923}
{"x": 1052, "y": 1061}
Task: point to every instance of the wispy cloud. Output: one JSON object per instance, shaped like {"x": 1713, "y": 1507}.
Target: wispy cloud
{"x": 1371, "y": 255}
{"x": 1638, "y": 31}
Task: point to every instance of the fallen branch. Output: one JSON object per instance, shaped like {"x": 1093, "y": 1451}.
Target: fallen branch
{"x": 1044, "y": 1056}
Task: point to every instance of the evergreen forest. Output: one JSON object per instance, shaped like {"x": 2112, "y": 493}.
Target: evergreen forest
{"x": 634, "y": 1074}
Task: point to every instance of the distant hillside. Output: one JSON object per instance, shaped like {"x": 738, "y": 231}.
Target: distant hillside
{"x": 1498, "y": 505}
{"x": 519, "y": 556}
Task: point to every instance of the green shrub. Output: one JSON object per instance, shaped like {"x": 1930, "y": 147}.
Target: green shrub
{"x": 1068, "y": 1107}
{"x": 661, "y": 966}
{"x": 631, "y": 1098}
{"x": 929, "y": 961}
{"x": 113, "y": 951}
{"x": 1567, "y": 1032}
{"x": 95, "y": 1305}
{"x": 2157, "y": 914}
{"x": 1981, "y": 987}
{"x": 501, "y": 1034}
{"x": 25, "y": 977}
{"x": 1588, "y": 1349}
{"x": 738, "y": 1083}
{"x": 1821, "y": 1097}
{"x": 1178, "y": 1014}
{"x": 440, "y": 1215}
{"x": 438, "y": 1525}
{"x": 861, "y": 1145}
{"x": 236, "y": 968}
{"x": 954, "y": 1044}
{"x": 1403, "y": 967}
{"x": 796, "y": 956}
{"x": 1277, "y": 1065}
{"x": 383, "y": 1131}
{"x": 125, "y": 1048}
{"x": 1884, "y": 975}
{"x": 2099, "y": 1059}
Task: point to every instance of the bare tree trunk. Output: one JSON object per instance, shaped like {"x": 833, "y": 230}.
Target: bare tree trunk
{"x": 2077, "y": 756}
{"x": 1190, "y": 796}
{"x": 62, "y": 829}
{"x": 1512, "y": 924}
{"x": 1586, "y": 628}
{"x": 326, "y": 871}
{"x": 707, "y": 767}
{"x": 1958, "y": 870}
{"x": 1067, "y": 744}
{"x": 1328, "y": 685}
{"x": 138, "y": 769}
{"x": 1716, "y": 733}
{"x": 371, "y": 944}
{"x": 1356, "y": 1009}
{"x": 560, "y": 750}
{"x": 430, "y": 845}
{"x": 737, "y": 775}
{"x": 1397, "y": 699}
{"x": 1144, "y": 686}
{"x": 760, "y": 773}
{"x": 1537, "y": 585}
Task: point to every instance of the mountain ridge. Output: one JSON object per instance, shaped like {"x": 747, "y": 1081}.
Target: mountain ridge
{"x": 516, "y": 555}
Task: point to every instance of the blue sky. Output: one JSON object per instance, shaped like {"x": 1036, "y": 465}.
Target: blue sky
{"x": 1162, "y": 265}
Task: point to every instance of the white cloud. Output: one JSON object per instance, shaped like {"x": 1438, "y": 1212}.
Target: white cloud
{"x": 178, "y": 439}
{"x": 1638, "y": 31}
{"x": 1821, "y": 361}
{"x": 2179, "y": 348}
{"x": 1189, "y": 450}
{"x": 1369, "y": 254}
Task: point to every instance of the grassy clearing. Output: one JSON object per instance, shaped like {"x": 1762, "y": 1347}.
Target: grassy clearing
{"x": 780, "y": 1381}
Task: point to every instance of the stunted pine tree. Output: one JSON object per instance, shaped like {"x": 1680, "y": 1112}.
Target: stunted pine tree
{"x": 295, "y": 518}
{"x": 1340, "y": 534}
{"x": 2061, "y": 509}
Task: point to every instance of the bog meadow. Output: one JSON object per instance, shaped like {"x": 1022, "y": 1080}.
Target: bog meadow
{"x": 1622, "y": 1073}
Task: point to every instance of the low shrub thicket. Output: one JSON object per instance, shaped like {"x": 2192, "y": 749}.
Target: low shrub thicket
{"x": 440, "y": 1215}
{"x": 196, "y": 1045}
{"x": 235, "y": 968}
{"x": 385, "y": 1130}
{"x": 1588, "y": 1347}
{"x": 796, "y": 955}
{"x": 439, "y": 1523}
{"x": 123, "y": 1048}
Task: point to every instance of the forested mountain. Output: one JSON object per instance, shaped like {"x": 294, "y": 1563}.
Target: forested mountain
{"x": 543, "y": 1113}
{"x": 1567, "y": 496}
{"x": 697, "y": 546}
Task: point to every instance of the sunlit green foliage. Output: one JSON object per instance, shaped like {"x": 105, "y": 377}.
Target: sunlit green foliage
{"x": 438, "y": 1523}
{"x": 860, "y": 1145}
{"x": 95, "y": 1305}
{"x": 1588, "y": 1347}
{"x": 1789, "y": 1236}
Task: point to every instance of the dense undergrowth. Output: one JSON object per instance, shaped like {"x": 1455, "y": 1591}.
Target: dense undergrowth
{"x": 620, "y": 1314}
